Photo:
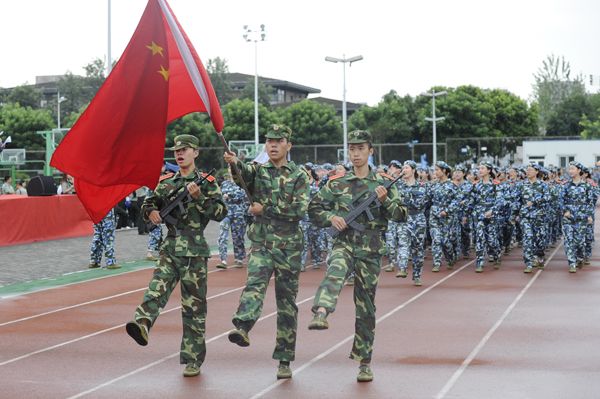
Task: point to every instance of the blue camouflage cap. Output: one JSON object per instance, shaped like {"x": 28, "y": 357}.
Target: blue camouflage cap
{"x": 395, "y": 163}
{"x": 411, "y": 163}
{"x": 578, "y": 165}
{"x": 535, "y": 166}
{"x": 443, "y": 165}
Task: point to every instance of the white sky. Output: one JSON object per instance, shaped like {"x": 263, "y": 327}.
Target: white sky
{"x": 408, "y": 46}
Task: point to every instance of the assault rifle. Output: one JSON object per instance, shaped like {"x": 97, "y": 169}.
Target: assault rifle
{"x": 175, "y": 201}
{"x": 356, "y": 211}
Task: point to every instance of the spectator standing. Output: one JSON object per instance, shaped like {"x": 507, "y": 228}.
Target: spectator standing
{"x": 20, "y": 189}
{"x": 7, "y": 187}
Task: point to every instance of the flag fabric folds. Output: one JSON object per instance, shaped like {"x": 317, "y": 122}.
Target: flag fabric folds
{"x": 117, "y": 145}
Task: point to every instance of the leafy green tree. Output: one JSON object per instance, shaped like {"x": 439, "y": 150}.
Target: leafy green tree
{"x": 512, "y": 116}
{"x": 553, "y": 84}
{"x": 311, "y": 122}
{"x": 264, "y": 93}
{"x": 22, "y": 123}
{"x": 26, "y": 96}
{"x": 239, "y": 119}
{"x": 217, "y": 69}
{"x": 591, "y": 123}
{"x": 567, "y": 115}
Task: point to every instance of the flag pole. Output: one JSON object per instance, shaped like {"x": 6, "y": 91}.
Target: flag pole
{"x": 234, "y": 168}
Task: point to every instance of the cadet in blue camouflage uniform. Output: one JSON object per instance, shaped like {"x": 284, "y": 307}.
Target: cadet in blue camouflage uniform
{"x": 444, "y": 206}
{"x": 465, "y": 208}
{"x": 183, "y": 255}
{"x": 392, "y": 240}
{"x": 589, "y": 235}
{"x": 533, "y": 200}
{"x": 411, "y": 234}
{"x": 486, "y": 207}
{"x": 312, "y": 234}
{"x": 237, "y": 205}
{"x": 280, "y": 192}
{"x": 577, "y": 213}
{"x": 104, "y": 241}
{"x": 361, "y": 250}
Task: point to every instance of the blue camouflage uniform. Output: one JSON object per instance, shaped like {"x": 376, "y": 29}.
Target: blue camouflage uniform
{"x": 464, "y": 216}
{"x": 576, "y": 209}
{"x": 532, "y": 220}
{"x": 486, "y": 198}
{"x": 313, "y": 235}
{"x": 443, "y": 199}
{"x": 237, "y": 205}
{"x": 104, "y": 240}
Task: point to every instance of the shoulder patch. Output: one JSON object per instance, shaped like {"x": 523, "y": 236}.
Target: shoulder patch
{"x": 336, "y": 176}
{"x": 210, "y": 178}
{"x": 165, "y": 177}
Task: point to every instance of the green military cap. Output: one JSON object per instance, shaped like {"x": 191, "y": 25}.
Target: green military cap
{"x": 279, "y": 132}
{"x": 185, "y": 140}
{"x": 359, "y": 136}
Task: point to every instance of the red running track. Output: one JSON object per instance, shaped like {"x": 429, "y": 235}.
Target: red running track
{"x": 499, "y": 334}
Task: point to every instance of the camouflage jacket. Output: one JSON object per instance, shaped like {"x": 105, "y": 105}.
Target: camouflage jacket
{"x": 486, "y": 197}
{"x": 464, "y": 198}
{"x": 443, "y": 199}
{"x": 186, "y": 238}
{"x": 283, "y": 193}
{"x": 537, "y": 193}
{"x": 578, "y": 200}
{"x": 235, "y": 198}
{"x": 341, "y": 193}
{"x": 415, "y": 197}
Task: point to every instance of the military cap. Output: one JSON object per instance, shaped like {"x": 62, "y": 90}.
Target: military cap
{"x": 461, "y": 167}
{"x": 488, "y": 165}
{"x": 411, "y": 163}
{"x": 279, "y": 132}
{"x": 578, "y": 165}
{"x": 359, "y": 137}
{"x": 535, "y": 166}
{"x": 185, "y": 140}
{"x": 422, "y": 168}
{"x": 443, "y": 165}
{"x": 395, "y": 163}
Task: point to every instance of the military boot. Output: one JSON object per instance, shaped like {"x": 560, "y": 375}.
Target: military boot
{"x": 497, "y": 263}
{"x": 239, "y": 336}
{"x": 573, "y": 269}
{"x": 402, "y": 273}
{"x": 365, "y": 374}
{"x": 528, "y": 269}
{"x": 191, "y": 370}
{"x": 138, "y": 331}
{"x": 222, "y": 265}
{"x": 436, "y": 268}
{"x": 319, "y": 322}
{"x": 417, "y": 282}
{"x": 284, "y": 371}
{"x": 93, "y": 265}
{"x": 113, "y": 266}
{"x": 389, "y": 268}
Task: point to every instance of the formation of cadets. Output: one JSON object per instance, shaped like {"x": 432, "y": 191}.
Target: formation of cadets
{"x": 482, "y": 207}
{"x": 301, "y": 209}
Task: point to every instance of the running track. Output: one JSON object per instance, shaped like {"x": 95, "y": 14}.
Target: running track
{"x": 499, "y": 334}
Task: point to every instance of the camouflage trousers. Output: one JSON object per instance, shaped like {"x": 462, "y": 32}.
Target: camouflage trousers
{"x": 191, "y": 271}
{"x": 104, "y": 240}
{"x": 486, "y": 240}
{"x": 465, "y": 236}
{"x": 262, "y": 264}
{"x": 313, "y": 242}
{"x": 533, "y": 240}
{"x": 574, "y": 233}
{"x": 366, "y": 270}
{"x": 237, "y": 224}
{"x": 589, "y": 238}
{"x": 442, "y": 240}
{"x": 155, "y": 238}
{"x": 392, "y": 241}
{"x": 411, "y": 244}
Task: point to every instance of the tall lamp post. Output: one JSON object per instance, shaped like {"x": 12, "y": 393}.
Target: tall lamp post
{"x": 433, "y": 119}
{"x": 255, "y": 36}
{"x": 344, "y": 60}
{"x": 59, "y": 99}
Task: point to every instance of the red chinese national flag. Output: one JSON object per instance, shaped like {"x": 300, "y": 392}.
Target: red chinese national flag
{"x": 117, "y": 144}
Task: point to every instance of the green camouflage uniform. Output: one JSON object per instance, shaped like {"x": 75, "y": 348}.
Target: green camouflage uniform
{"x": 361, "y": 251}
{"x": 183, "y": 256}
{"x": 276, "y": 246}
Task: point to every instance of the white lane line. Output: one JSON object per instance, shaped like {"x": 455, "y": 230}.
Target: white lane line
{"x": 100, "y": 332}
{"x": 350, "y": 337}
{"x": 164, "y": 359}
{"x": 452, "y": 381}
{"x": 6, "y": 323}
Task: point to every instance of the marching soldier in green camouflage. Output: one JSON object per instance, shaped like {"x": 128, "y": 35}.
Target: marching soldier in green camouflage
{"x": 183, "y": 255}
{"x": 361, "y": 251}
{"x": 279, "y": 192}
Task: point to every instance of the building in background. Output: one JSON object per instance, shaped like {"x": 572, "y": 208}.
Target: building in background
{"x": 561, "y": 152}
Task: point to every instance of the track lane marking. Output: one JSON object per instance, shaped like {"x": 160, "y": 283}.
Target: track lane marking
{"x": 458, "y": 373}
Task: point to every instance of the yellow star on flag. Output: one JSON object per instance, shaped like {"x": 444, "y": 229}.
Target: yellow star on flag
{"x": 164, "y": 72}
{"x": 156, "y": 49}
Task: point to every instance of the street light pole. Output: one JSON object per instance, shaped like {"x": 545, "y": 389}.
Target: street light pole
{"x": 344, "y": 60}
{"x": 433, "y": 119}
{"x": 254, "y": 36}
{"x": 59, "y": 100}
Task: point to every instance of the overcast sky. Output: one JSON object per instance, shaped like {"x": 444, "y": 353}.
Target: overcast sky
{"x": 408, "y": 46}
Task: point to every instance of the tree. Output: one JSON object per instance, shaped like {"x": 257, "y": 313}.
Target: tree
{"x": 217, "y": 69}
{"x": 26, "y": 96}
{"x": 264, "y": 92}
{"x": 591, "y": 123}
{"x": 512, "y": 116}
{"x": 553, "y": 84}
{"x": 22, "y": 123}
{"x": 311, "y": 122}
{"x": 565, "y": 120}
{"x": 239, "y": 119}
